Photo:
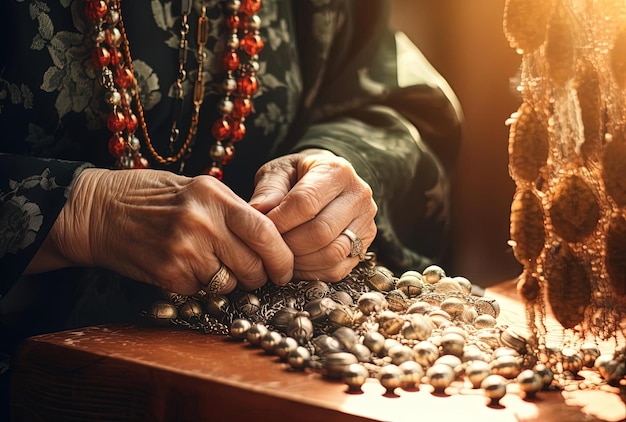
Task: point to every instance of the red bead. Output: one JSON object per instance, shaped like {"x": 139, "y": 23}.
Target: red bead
{"x": 252, "y": 44}
{"x": 221, "y": 129}
{"x": 242, "y": 107}
{"x": 140, "y": 162}
{"x": 117, "y": 146}
{"x": 132, "y": 123}
{"x": 233, "y": 22}
{"x": 250, "y": 7}
{"x": 116, "y": 122}
{"x": 96, "y": 10}
{"x": 247, "y": 85}
{"x": 238, "y": 131}
{"x": 101, "y": 57}
{"x": 124, "y": 77}
{"x": 214, "y": 171}
{"x": 230, "y": 61}
{"x": 116, "y": 56}
{"x": 229, "y": 154}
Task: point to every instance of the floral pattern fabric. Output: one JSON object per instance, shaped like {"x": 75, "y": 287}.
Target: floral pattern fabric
{"x": 328, "y": 79}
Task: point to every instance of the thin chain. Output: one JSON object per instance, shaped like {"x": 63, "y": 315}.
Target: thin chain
{"x": 203, "y": 35}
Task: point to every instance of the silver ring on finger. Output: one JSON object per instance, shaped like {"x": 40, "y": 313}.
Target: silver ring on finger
{"x": 218, "y": 281}
{"x": 356, "y": 245}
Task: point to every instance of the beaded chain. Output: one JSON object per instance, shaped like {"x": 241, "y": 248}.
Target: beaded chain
{"x": 112, "y": 56}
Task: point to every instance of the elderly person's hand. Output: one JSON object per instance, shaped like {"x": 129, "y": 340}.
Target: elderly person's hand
{"x": 168, "y": 230}
{"x": 312, "y": 197}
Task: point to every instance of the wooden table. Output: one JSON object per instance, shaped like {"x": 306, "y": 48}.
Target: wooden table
{"x": 168, "y": 374}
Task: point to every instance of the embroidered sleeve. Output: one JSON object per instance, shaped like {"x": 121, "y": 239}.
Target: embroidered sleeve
{"x": 32, "y": 193}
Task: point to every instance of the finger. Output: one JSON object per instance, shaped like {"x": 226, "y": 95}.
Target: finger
{"x": 271, "y": 186}
{"x": 331, "y": 274}
{"x": 311, "y": 194}
{"x": 261, "y": 236}
{"x": 323, "y": 229}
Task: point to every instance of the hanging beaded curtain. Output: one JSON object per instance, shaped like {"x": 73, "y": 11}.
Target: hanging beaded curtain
{"x": 567, "y": 156}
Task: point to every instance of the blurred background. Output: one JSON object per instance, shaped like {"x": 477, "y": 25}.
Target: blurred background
{"x": 465, "y": 41}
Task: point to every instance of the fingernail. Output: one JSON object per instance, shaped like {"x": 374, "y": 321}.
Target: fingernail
{"x": 257, "y": 200}
{"x": 285, "y": 278}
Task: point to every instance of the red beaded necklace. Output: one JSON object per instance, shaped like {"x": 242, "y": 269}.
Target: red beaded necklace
{"x": 112, "y": 56}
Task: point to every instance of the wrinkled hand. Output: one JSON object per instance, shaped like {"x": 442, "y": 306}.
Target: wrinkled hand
{"x": 312, "y": 197}
{"x": 169, "y": 230}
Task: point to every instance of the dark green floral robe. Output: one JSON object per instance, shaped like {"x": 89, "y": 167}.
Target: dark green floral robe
{"x": 332, "y": 76}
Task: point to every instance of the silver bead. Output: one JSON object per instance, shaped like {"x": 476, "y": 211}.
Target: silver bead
{"x": 514, "y": 339}
{"x": 233, "y": 5}
{"x": 355, "y": 376}
{"x": 507, "y": 366}
{"x": 113, "y": 98}
{"x": 590, "y": 352}
{"x": 163, "y": 311}
{"x": 239, "y": 328}
{"x": 484, "y": 321}
{"x": 299, "y": 358}
{"x": 487, "y": 305}
{"x": 319, "y": 309}
{"x": 341, "y": 316}
{"x": 361, "y": 352}
{"x": 301, "y": 328}
{"x": 419, "y": 327}
{"x": 254, "y": 23}
{"x": 285, "y": 346}
{"x": 343, "y": 297}
{"x": 316, "y": 290}
{"x": 116, "y": 37}
{"x": 190, "y": 310}
{"x": 530, "y": 382}
{"x": 412, "y": 374}
{"x": 270, "y": 340}
{"x": 472, "y": 353}
{"x": 411, "y": 286}
{"x": 389, "y": 344}
{"x": 325, "y": 345}
{"x": 453, "y": 306}
{"x": 400, "y": 354}
{"x": 346, "y": 337}
{"x": 380, "y": 281}
{"x": 370, "y": 302}
{"x": 495, "y": 388}
{"x": 452, "y": 344}
{"x": 545, "y": 373}
{"x": 255, "y": 333}
{"x": 466, "y": 285}
{"x": 134, "y": 144}
{"x": 571, "y": 360}
{"x": 390, "y": 377}
{"x": 217, "y": 152}
{"x": 440, "y": 376}
{"x": 283, "y": 317}
{"x": 229, "y": 85}
{"x": 217, "y": 306}
{"x": 433, "y": 274}
{"x": 476, "y": 372}
{"x": 248, "y": 304}
{"x": 397, "y": 301}
{"x": 447, "y": 285}
{"x": 335, "y": 364}
{"x": 233, "y": 42}
{"x": 374, "y": 341}
{"x": 454, "y": 362}
{"x": 425, "y": 353}
{"x": 225, "y": 106}
{"x": 419, "y": 307}
{"x": 390, "y": 323}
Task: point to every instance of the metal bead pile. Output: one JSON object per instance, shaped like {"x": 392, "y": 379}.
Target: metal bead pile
{"x": 419, "y": 328}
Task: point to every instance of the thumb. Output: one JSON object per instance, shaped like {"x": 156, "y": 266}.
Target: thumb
{"x": 269, "y": 191}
